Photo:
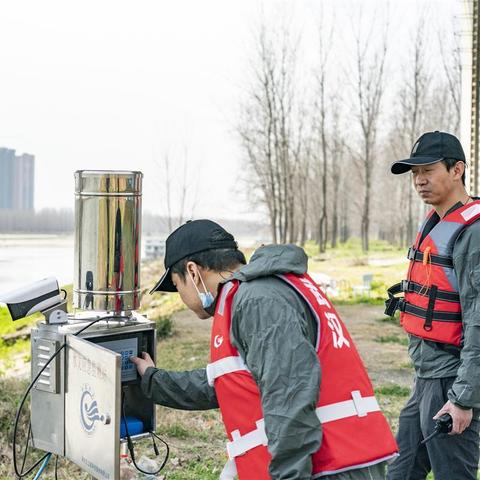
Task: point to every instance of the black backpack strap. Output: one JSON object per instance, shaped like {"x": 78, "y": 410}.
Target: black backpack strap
{"x": 433, "y": 258}
{"x": 412, "y": 287}
{"x": 391, "y": 304}
{"x": 437, "y": 316}
{"x": 431, "y": 305}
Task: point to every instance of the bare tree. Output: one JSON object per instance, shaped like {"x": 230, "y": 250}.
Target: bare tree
{"x": 270, "y": 140}
{"x": 168, "y": 181}
{"x": 297, "y": 160}
{"x": 452, "y": 65}
{"x": 413, "y": 99}
{"x": 304, "y": 158}
{"x": 182, "y": 187}
{"x": 324, "y": 49}
{"x": 369, "y": 88}
{"x": 337, "y": 152}
{"x": 424, "y": 102}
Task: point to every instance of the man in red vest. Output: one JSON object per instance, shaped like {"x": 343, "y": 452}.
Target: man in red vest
{"x": 440, "y": 310}
{"x": 295, "y": 398}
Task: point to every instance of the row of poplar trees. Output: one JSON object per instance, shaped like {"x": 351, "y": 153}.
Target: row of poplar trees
{"x": 319, "y": 131}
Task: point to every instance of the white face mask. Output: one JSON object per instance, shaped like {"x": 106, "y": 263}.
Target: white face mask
{"x": 206, "y": 298}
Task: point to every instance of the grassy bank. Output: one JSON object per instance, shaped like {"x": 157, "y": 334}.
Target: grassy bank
{"x": 197, "y": 438}
{"x": 14, "y": 342}
{"x": 347, "y": 265}
{"x": 14, "y": 336}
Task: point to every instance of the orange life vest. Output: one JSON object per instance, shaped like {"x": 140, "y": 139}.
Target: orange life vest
{"x": 355, "y": 432}
{"x": 430, "y": 308}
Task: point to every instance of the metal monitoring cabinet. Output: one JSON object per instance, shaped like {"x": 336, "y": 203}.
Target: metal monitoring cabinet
{"x": 84, "y": 398}
{"x": 87, "y": 395}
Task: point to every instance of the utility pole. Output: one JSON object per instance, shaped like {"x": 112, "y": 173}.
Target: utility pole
{"x": 469, "y": 34}
{"x": 475, "y": 103}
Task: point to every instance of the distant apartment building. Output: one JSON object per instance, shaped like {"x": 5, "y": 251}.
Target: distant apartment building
{"x": 17, "y": 173}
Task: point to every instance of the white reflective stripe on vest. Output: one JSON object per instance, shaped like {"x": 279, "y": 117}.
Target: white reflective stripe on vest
{"x": 224, "y": 366}
{"x": 243, "y": 443}
{"x": 359, "y": 406}
{"x": 229, "y": 471}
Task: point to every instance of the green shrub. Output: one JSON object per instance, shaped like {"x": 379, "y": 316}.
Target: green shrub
{"x": 393, "y": 390}
{"x": 379, "y": 285}
{"x": 407, "y": 365}
{"x": 164, "y": 325}
{"x": 354, "y": 300}
{"x": 176, "y": 430}
{"x": 392, "y": 339}
{"x": 395, "y": 320}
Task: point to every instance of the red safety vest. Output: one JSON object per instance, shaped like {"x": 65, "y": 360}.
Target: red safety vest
{"x": 431, "y": 307}
{"x": 355, "y": 432}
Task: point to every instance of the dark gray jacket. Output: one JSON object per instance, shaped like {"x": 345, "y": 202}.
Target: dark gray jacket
{"x": 274, "y": 332}
{"x": 429, "y": 358}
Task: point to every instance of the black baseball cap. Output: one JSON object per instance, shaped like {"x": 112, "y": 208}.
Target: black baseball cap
{"x": 431, "y": 147}
{"x": 195, "y": 236}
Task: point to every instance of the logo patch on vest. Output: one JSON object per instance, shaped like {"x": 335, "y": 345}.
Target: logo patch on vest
{"x": 339, "y": 339}
{"x": 471, "y": 212}
{"x": 217, "y": 341}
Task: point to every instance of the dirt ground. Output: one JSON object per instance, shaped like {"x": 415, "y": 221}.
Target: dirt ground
{"x": 386, "y": 361}
{"x": 199, "y": 435}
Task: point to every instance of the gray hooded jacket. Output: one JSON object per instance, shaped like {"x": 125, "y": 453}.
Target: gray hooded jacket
{"x": 274, "y": 332}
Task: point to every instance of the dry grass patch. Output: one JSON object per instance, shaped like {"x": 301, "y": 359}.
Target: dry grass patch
{"x": 197, "y": 439}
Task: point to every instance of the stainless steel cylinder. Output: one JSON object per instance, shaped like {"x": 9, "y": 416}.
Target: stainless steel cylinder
{"x": 107, "y": 240}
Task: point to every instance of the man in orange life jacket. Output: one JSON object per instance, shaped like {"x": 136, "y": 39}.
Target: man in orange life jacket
{"x": 440, "y": 310}
{"x": 273, "y": 330}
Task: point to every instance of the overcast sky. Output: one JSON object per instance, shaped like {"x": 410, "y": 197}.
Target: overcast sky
{"x": 116, "y": 85}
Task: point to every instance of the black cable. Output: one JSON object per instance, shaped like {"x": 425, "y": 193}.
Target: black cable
{"x": 155, "y": 448}
{"x": 98, "y": 320}
{"x": 56, "y": 467}
{"x": 167, "y": 453}
{"x": 132, "y": 451}
{"x": 26, "y": 445}
{"x": 21, "y": 473}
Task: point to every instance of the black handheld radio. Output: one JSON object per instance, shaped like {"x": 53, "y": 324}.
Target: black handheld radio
{"x": 443, "y": 424}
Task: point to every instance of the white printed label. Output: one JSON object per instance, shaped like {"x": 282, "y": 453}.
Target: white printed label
{"x": 471, "y": 212}
{"x": 339, "y": 339}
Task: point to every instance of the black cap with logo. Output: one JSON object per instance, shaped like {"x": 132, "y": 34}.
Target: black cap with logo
{"x": 192, "y": 237}
{"x": 431, "y": 147}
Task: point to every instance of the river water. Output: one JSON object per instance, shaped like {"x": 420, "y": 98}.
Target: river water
{"x": 27, "y": 258}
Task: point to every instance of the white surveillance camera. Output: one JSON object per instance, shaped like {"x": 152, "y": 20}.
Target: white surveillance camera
{"x": 36, "y": 297}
